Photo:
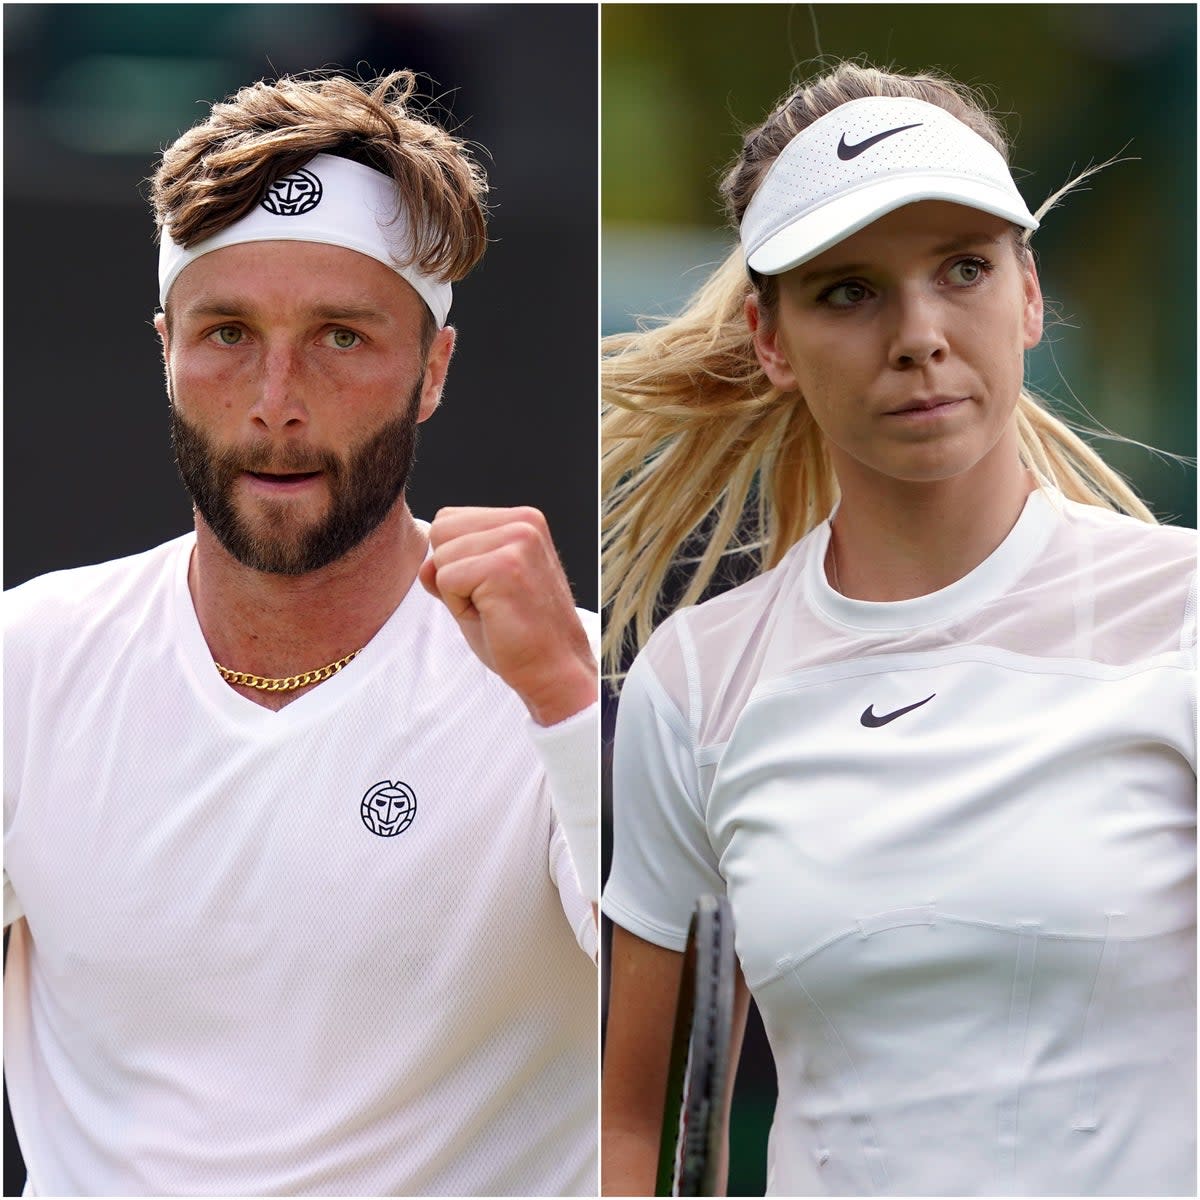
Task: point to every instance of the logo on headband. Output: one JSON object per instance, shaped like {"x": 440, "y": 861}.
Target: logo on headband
{"x": 293, "y": 195}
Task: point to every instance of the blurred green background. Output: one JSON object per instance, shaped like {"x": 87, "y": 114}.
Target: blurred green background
{"x": 1074, "y": 85}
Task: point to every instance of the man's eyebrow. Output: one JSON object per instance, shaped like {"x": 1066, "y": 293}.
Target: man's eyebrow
{"x": 350, "y": 312}
{"x": 214, "y": 306}
{"x": 217, "y": 306}
{"x": 966, "y": 241}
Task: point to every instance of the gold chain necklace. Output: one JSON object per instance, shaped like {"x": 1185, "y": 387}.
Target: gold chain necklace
{"x": 290, "y": 682}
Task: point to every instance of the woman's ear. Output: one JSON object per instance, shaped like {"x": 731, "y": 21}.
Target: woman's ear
{"x": 1032, "y": 314}
{"x": 764, "y": 332}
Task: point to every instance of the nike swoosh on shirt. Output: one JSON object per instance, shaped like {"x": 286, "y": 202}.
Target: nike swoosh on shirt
{"x": 871, "y": 721}
{"x": 846, "y": 152}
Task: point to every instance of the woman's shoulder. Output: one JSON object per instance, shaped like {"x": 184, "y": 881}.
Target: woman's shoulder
{"x": 1118, "y": 531}
{"x": 702, "y": 657}
{"x": 1126, "y": 552}
{"x": 1139, "y": 579}
{"x": 722, "y": 620}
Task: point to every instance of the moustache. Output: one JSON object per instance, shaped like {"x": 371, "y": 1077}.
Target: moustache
{"x": 274, "y": 460}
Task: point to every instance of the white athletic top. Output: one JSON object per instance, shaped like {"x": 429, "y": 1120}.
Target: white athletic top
{"x": 315, "y": 951}
{"x": 958, "y": 836}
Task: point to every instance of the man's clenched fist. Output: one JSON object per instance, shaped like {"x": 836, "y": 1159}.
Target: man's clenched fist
{"x": 497, "y": 572}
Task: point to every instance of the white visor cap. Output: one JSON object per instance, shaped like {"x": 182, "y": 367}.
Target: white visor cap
{"x": 331, "y": 200}
{"x": 862, "y": 161}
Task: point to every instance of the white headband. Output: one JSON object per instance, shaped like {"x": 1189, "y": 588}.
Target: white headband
{"x": 864, "y": 160}
{"x": 333, "y": 201}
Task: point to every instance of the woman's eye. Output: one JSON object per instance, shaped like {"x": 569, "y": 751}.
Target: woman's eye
{"x": 344, "y": 339}
{"x": 229, "y": 335}
{"x": 969, "y": 270}
{"x": 845, "y": 295}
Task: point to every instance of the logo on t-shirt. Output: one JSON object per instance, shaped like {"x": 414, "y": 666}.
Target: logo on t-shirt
{"x": 388, "y": 808}
{"x": 872, "y": 721}
{"x": 293, "y": 195}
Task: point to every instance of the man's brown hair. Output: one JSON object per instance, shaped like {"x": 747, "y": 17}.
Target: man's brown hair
{"x": 215, "y": 173}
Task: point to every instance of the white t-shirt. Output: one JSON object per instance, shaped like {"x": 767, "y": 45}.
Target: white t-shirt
{"x": 333, "y": 949}
{"x": 958, "y": 836}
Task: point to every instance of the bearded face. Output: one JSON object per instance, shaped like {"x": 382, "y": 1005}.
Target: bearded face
{"x": 272, "y": 534}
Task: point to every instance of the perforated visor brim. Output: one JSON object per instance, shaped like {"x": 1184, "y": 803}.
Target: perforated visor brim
{"x": 822, "y": 227}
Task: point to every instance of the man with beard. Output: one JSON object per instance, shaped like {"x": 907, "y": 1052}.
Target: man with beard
{"x": 301, "y": 807}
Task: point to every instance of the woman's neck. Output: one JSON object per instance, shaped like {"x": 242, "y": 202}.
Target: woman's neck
{"x": 894, "y": 540}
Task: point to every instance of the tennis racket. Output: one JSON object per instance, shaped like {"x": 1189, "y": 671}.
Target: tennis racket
{"x": 696, "y": 1108}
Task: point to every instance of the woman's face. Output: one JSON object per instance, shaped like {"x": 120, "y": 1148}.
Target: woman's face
{"x": 907, "y": 341}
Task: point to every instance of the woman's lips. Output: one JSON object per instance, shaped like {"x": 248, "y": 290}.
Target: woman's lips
{"x": 928, "y": 408}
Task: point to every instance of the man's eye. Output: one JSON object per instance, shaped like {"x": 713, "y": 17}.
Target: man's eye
{"x": 344, "y": 339}
{"x": 229, "y": 335}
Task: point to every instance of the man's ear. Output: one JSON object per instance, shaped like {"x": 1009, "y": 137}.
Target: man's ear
{"x": 437, "y": 363}
{"x": 771, "y": 357}
{"x": 164, "y": 337}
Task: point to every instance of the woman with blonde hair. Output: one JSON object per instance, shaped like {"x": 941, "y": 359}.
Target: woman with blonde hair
{"x": 940, "y": 753}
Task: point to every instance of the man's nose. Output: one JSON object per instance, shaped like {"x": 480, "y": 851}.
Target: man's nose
{"x": 279, "y": 395}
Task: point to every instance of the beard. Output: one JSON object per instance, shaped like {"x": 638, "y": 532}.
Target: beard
{"x": 364, "y": 484}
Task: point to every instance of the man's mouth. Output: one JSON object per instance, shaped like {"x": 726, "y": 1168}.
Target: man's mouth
{"x": 282, "y": 481}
